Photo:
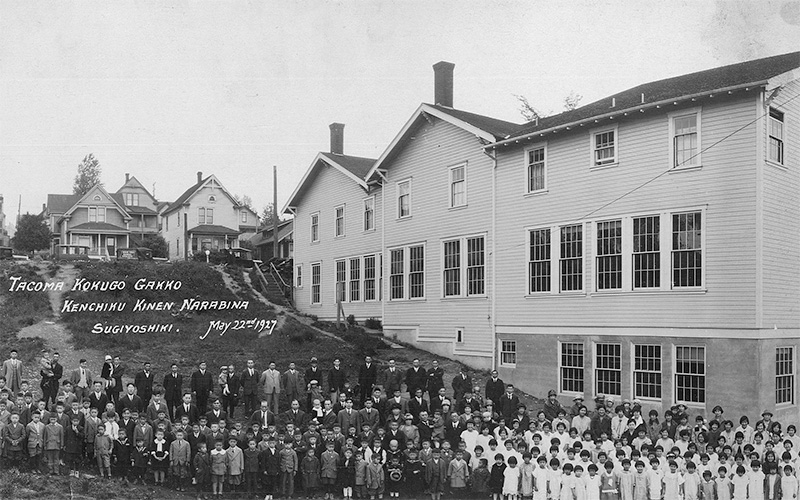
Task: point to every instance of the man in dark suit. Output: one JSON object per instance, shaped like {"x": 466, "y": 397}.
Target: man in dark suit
{"x": 173, "y": 390}
{"x": 248, "y": 381}
{"x": 117, "y": 372}
{"x": 202, "y": 386}
{"x": 507, "y": 405}
{"x": 425, "y": 427}
{"x": 130, "y": 400}
{"x": 127, "y": 423}
{"x": 264, "y": 416}
{"x": 394, "y": 434}
{"x": 295, "y": 416}
{"x": 416, "y": 378}
{"x": 144, "y": 383}
{"x": 230, "y": 392}
{"x": 417, "y": 405}
{"x": 438, "y": 400}
{"x": 348, "y": 417}
{"x": 58, "y": 372}
{"x": 453, "y": 430}
{"x": 495, "y": 388}
{"x": 216, "y": 413}
{"x": 435, "y": 379}
{"x": 468, "y": 400}
{"x": 188, "y": 409}
{"x": 367, "y": 377}
{"x": 369, "y": 415}
{"x": 97, "y": 398}
{"x": 392, "y": 378}
{"x": 336, "y": 379}
{"x": 461, "y": 384}
{"x": 314, "y": 373}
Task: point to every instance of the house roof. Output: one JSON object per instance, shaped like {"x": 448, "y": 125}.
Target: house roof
{"x": 192, "y": 190}
{"x": 134, "y": 209}
{"x": 355, "y": 167}
{"x": 60, "y": 203}
{"x": 213, "y": 229}
{"x": 734, "y": 76}
{"x": 134, "y": 182}
{"x": 98, "y": 227}
{"x": 264, "y": 236}
{"x": 485, "y": 128}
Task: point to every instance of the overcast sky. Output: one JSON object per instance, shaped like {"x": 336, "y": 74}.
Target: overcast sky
{"x": 163, "y": 89}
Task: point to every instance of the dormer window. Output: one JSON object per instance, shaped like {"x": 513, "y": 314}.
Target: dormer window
{"x": 212, "y": 198}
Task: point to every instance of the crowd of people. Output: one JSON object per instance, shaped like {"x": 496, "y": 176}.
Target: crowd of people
{"x": 322, "y": 432}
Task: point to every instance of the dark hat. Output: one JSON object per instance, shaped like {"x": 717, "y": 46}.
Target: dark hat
{"x": 551, "y": 392}
{"x": 578, "y": 398}
{"x": 766, "y": 412}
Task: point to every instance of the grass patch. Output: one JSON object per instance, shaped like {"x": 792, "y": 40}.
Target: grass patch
{"x": 19, "y": 309}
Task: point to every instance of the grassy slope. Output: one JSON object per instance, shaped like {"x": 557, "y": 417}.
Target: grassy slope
{"x": 20, "y": 309}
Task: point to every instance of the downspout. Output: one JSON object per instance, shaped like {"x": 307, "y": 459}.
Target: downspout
{"x": 383, "y": 243}
{"x": 493, "y": 298}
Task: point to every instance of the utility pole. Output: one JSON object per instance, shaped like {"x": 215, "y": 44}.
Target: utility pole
{"x": 274, "y": 211}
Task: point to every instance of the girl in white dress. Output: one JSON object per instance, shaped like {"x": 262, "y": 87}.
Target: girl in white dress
{"x": 511, "y": 479}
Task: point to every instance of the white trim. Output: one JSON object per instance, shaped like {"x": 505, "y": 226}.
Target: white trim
{"x": 321, "y": 157}
{"x": 463, "y": 265}
{"x": 500, "y": 352}
{"x": 311, "y": 283}
{"x": 633, "y": 344}
{"x": 558, "y": 375}
{"x": 697, "y": 160}
{"x": 690, "y": 334}
{"x": 793, "y": 375}
{"x": 298, "y": 276}
{"x": 592, "y": 142}
{"x": 407, "y": 272}
{"x": 336, "y": 233}
{"x": 397, "y": 184}
{"x": 364, "y": 212}
{"x": 595, "y": 368}
{"x": 526, "y": 164}
{"x": 450, "y": 185}
{"x": 311, "y": 227}
{"x": 783, "y": 123}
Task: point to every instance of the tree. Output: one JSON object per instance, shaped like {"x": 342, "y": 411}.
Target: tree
{"x": 154, "y": 242}
{"x": 32, "y": 234}
{"x": 244, "y": 201}
{"x": 266, "y": 215}
{"x": 88, "y": 175}
{"x": 572, "y": 101}
{"x": 530, "y": 113}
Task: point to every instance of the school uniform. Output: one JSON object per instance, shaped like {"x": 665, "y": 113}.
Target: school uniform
{"x": 251, "y": 468}
{"x": 122, "y": 457}
{"x": 436, "y": 475}
{"x": 201, "y": 466}
{"x": 269, "y": 462}
{"x": 180, "y": 455}
{"x": 140, "y": 458}
{"x": 235, "y": 458}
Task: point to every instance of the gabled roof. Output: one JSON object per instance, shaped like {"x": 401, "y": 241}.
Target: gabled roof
{"x": 355, "y": 167}
{"x": 194, "y": 189}
{"x": 115, "y": 200}
{"x": 485, "y": 128}
{"x": 134, "y": 183}
{"x": 60, "y": 203}
{"x": 213, "y": 229}
{"x": 722, "y": 79}
{"x": 264, "y": 236}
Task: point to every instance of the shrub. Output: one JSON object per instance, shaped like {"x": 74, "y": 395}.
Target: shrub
{"x": 351, "y": 320}
{"x": 373, "y": 324}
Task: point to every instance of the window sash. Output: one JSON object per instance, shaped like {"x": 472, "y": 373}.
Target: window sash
{"x": 244, "y": 216}
{"x": 647, "y": 371}
{"x": 416, "y": 272}
{"x": 316, "y": 277}
{"x": 452, "y": 268}
{"x": 571, "y": 259}
{"x": 355, "y": 279}
{"x": 776, "y": 136}
{"x": 784, "y": 375}
{"x": 458, "y": 186}
{"x": 339, "y": 221}
{"x": 605, "y": 151}
{"x": 685, "y": 140}
{"x": 396, "y": 276}
{"x": 476, "y": 279}
{"x": 609, "y": 255}
{"x": 369, "y": 214}
{"x": 646, "y": 252}
{"x": 299, "y": 276}
{"x": 341, "y": 281}
{"x": 687, "y": 252}
{"x": 201, "y": 216}
{"x": 209, "y": 216}
{"x": 536, "y": 170}
{"x": 608, "y": 369}
{"x": 315, "y": 227}
{"x": 690, "y": 378}
{"x": 539, "y": 260}
{"x": 369, "y": 277}
{"x": 508, "y": 352}
{"x": 571, "y": 371}
{"x": 404, "y": 199}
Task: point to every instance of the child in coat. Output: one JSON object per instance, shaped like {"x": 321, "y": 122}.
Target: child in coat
{"x": 251, "y": 466}
{"x": 414, "y": 473}
{"x": 270, "y": 464}
{"x": 375, "y": 479}
{"x": 394, "y": 476}
{"x": 289, "y": 468}
{"x": 201, "y": 465}
{"x": 122, "y": 455}
{"x": 360, "y": 478}
{"x": 329, "y": 468}
{"x": 53, "y": 443}
{"x": 218, "y": 467}
{"x": 497, "y": 477}
{"x": 159, "y": 458}
{"x": 102, "y": 451}
{"x": 346, "y": 473}
{"x": 436, "y": 475}
{"x": 235, "y": 462}
{"x": 479, "y": 478}
{"x": 180, "y": 454}
{"x": 140, "y": 457}
{"x": 73, "y": 445}
{"x": 458, "y": 472}
{"x": 310, "y": 468}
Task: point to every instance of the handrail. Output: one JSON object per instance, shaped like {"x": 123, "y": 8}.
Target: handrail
{"x": 274, "y": 271}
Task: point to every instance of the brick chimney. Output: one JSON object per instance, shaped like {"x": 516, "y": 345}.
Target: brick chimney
{"x": 443, "y": 83}
{"x": 199, "y": 177}
{"x": 127, "y": 177}
{"x": 337, "y": 138}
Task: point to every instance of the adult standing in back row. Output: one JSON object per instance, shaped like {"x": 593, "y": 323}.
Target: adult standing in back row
{"x": 367, "y": 377}
{"x": 494, "y": 388}
{"x": 202, "y": 385}
{"x": 293, "y": 384}
{"x": 416, "y": 378}
{"x": 173, "y": 391}
{"x": 435, "y": 380}
{"x": 249, "y": 384}
{"x": 271, "y": 380}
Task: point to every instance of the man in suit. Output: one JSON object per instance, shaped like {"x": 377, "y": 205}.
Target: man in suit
{"x": 329, "y": 417}
{"x": 292, "y": 383}
{"x": 263, "y": 416}
{"x": 392, "y": 378}
{"x": 461, "y": 384}
{"x": 97, "y": 398}
{"x": 416, "y": 378}
{"x": 367, "y": 377}
{"x": 248, "y": 381}
{"x": 314, "y": 373}
{"x": 507, "y": 405}
{"x": 187, "y": 408}
{"x": 453, "y": 430}
{"x": 294, "y": 415}
{"x": 396, "y": 400}
{"x": 12, "y": 371}
{"x": 417, "y": 405}
{"x": 173, "y": 390}
{"x": 202, "y": 385}
{"x": 336, "y": 379}
{"x": 348, "y": 417}
{"x": 271, "y": 380}
{"x": 82, "y": 381}
{"x": 424, "y": 427}
{"x": 470, "y": 401}
{"x": 130, "y": 400}
{"x": 144, "y": 383}
{"x": 495, "y": 388}
{"x": 117, "y": 372}
{"x": 127, "y": 422}
{"x": 393, "y": 433}
{"x": 156, "y": 405}
{"x": 438, "y": 401}
{"x": 58, "y": 373}
{"x": 216, "y": 413}
{"x": 435, "y": 379}
{"x": 230, "y": 392}
{"x": 369, "y": 415}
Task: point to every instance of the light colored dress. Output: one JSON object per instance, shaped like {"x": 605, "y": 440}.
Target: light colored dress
{"x": 526, "y": 488}
{"x": 511, "y": 480}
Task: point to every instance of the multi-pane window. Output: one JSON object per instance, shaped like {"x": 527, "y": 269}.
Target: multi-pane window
{"x": 201, "y": 216}
{"x": 571, "y": 367}
{"x": 458, "y": 186}
{"x": 784, "y": 375}
{"x": 316, "y": 282}
{"x": 341, "y": 283}
{"x": 647, "y": 371}
{"x": 609, "y": 255}
{"x": 97, "y": 214}
{"x": 608, "y": 369}
{"x": 407, "y": 272}
{"x": 604, "y": 147}
{"x": 404, "y": 199}
{"x": 339, "y": 221}
{"x": 132, "y": 199}
{"x": 92, "y": 214}
{"x": 416, "y": 272}
{"x": 685, "y": 140}
{"x": 508, "y": 352}
{"x": 209, "y": 215}
{"x": 536, "y": 170}
{"x": 464, "y": 262}
{"x": 355, "y": 279}
{"x": 775, "y": 136}
{"x": 646, "y": 248}
{"x": 369, "y": 277}
{"x": 690, "y": 374}
{"x": 314, "y": 228}
{"x": 369, "y": 214}
{"x": 452, "y": 268}
{"x": 244, "y": 216}
{"x": 687, "y": 250}
{"x": 476, "y": 270}
{"x": 539, "y": 260}
{"x": 298, "y": 276}
{"x": 571, "y": 260}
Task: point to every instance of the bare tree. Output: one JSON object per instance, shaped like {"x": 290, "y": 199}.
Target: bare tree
{"x": 88, "y": 175}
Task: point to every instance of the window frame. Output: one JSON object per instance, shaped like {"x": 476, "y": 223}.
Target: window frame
{"x": 697, "y": 161}
{"x": 316, "y": 288}
{"x": 374, "y": 277}
{"x": 673, "y": 250}
{"x": 314, "y": 227}
{"x": 781, "y": 160}
{"x": 243, "y": 218}
{"x": 209, "y": 216}
{"x": 463, "y": 266}
{"x": 596, "y": 368}
{"x": 406, "y": 272}
{"x": 617, "y": 257}
{"x": 298, "y": 276}
{"x": 130, "y": 198}
{"x": 562, "y": 367}
{"x": 451, "y": 186}
{"x": 548, "y": 262}
{"x": 354, "y": 288}
{"x": 398, "y": 196}
{"x": 676, "y": 374}
{"x": 371, "y": 210}
{"x": 201, "y": 216}
{"x": 790, "y": 376}
{"x": 340, "y": 294}
{"x": 634, "y": 371}
{"x": 339, "y": 221}
{"x": 527, "y": 173}
{"x": 562, "y": 260}
{"x": 594, "y": 165}
{"x": 656, "y": 243}
{"x": 501, "y": 351}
